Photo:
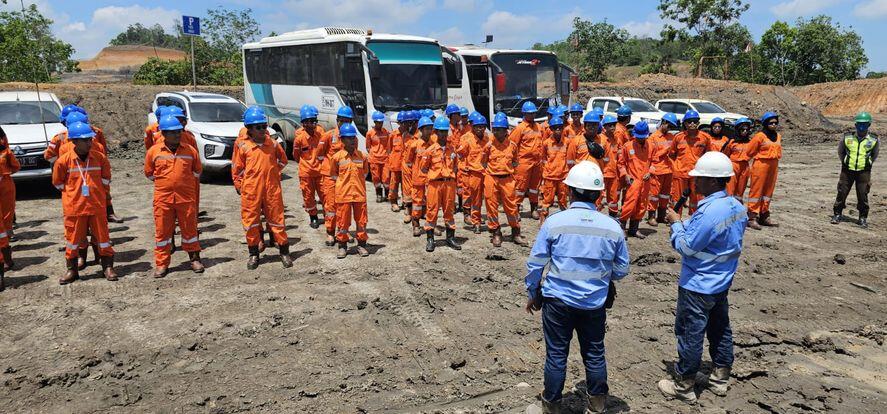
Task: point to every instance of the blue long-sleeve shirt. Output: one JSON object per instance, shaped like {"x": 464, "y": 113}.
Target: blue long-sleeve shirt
{"x": 583, "y": 250}
{"x": 710, "y": 243}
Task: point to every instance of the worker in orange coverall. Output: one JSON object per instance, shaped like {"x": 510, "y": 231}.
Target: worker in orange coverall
{"x": 377, "y": 145}
{"x": 499, "y": 161}
{"x": 528, "y": 136}
{"x": 415, "y": 152}
{"x": 349, "y": 167}
{"x": 471, "y": 151}
{"x": 8, "y": 165}
{"x": 554, "y": 168}
{"x": 635, "y": 169}
{"x": 332, "y": 144}
{"x": 766, "y": 149}
{"x": 687, "y": 146}
{"x": 660, "y": 184}
{"x": 308, "y": 152}
{"x": 439, "y": 163}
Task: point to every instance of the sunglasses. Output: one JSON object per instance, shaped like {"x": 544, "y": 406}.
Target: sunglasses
{"x": 259, "y": 126}
{"x": 692, "y": 121}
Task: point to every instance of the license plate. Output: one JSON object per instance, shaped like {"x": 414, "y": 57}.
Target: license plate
{"x": 29, "y": 161}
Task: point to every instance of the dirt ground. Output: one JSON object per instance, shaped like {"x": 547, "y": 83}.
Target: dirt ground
{"x": 406, "y": 331}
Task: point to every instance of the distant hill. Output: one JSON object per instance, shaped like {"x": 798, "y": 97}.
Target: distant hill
{"x": 115, "y": 58}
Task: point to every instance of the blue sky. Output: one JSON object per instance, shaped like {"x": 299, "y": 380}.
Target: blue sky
{"x": 89, "y": 25}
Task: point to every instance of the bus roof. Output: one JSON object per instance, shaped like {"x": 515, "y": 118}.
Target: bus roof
{"x": 327, "y": 34}
{"x": 474, "y": 50}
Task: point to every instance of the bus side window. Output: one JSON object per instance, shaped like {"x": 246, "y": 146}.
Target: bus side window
{"x": 450, "y": 70}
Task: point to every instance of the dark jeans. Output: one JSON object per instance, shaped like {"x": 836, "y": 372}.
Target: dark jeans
{"x": 558, "y": 322}
{"x": 697, "y": 316}
{"x": 848, "y": 178}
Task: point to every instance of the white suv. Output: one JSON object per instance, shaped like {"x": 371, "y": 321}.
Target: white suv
{"x": 214, "y": 119}
{"x": 29, "y": 122}
{"x": 707, "y": 110}
{"x": 641, "y": 110}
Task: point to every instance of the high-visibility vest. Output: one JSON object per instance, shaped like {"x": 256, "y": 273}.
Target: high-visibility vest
{"x": 859, "y": 152}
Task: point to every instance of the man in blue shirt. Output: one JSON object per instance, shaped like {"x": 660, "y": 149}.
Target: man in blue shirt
{"x": 584, "y": 251}
{"x": 710, "y": 243}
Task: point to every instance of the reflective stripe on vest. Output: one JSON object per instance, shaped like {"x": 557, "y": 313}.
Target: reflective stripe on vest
{"x": 859, "y": 153}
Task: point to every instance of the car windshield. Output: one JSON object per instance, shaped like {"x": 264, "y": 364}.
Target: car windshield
{"x": 28, "y": 112}
{"x": 217, "y": 112}
{"x": 528, "y": 77}
{"x": 638, "y": 105}
{"x": 708, "y": 108}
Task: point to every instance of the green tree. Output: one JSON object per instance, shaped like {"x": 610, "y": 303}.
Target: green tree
{"x": 163, "y": 72}
{"x": 777, "y": 52}
{"x": 28, "y": 50}
{"x": 597, "y": 45}
{"x": 136, "y": 34}
{"x": 875, "y": 75}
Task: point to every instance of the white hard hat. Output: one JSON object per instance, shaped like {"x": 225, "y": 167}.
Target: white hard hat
{"x": 586, "y": 175}
{"x": 713, "y": 164}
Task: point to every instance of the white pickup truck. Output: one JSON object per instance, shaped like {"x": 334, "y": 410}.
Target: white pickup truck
{"x": 29, "y": 122}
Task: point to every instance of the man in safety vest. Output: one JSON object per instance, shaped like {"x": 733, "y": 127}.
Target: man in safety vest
{"x": 857, "y": 152}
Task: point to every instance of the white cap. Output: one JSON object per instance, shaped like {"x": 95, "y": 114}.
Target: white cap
{"x": 586, "y": 175}
{"x": 713, "y": 164}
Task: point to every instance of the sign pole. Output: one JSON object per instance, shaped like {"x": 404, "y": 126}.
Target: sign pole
{"x": 193, "y": 66}
{"x": 191, "y": 28}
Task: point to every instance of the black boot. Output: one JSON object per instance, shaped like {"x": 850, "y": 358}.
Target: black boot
{"x": 2, "y": 280}
{"x": 112, "y": 217}
{"x": 315, "y": 223}
{"x": 8, "y": 264}
{"x": 451, "y": 240}
{"x": 285, "y": 258}
{"x": 253, "y": 262}
{"x": 378, "y": 194}
{"x": 429, "y": 245}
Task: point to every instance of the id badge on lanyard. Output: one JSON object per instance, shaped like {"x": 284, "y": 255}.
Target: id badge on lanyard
{"x": 84, "y": 186}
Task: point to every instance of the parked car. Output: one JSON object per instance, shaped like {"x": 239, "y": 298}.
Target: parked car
{"x": 641, "y": 110}
{"x": 30, "y": 121}
{"x": 214, "y": 119}
{"x": 707, "y": 110}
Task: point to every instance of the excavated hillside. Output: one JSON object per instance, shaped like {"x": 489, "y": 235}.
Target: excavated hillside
{"x": 846, "y": 98}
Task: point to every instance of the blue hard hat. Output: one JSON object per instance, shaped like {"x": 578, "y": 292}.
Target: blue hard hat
{"x": 623, "y": 111}
{"x": 452, "y": 109}
{"x": 347, "y": 130}
{"x": 76, "y": 117}
{"x": 378, "y": 116}
{"x": 576, "y": 107}
{"x": 556, "y": 121}
{"x": 551, "y": 110}
{"x": 345, "y": 112}
{"x": 479, "y": 120}
{"x": 427, "y": 112}
{"x": 641, "y": 130}
{"x": 401, "y": 116}
{"x": 425, "y": 121}
{"x": 500, "y": 121}
{"x": 671, "y": 118}
{"x": 254, "y": 116}
{"x": 528, "y": 108}
{"x": 307, "y": 112}
{"x": 159, "y": 111}
{"x": 176, "y": 111}
{"x": 768, "y": 115}
{"x": 463, "y": 111}
{"x": 442, "y": 124}
{"x": 169, "y": 123}
{"x": 599, "y": 111}
{"x": 691, "y": 114}
{"x": 592, "y": 117}
{"x": 563, "y": 109}
{"x": 742, "y": 120}
{"x": 412, "y": 115}
{"x": 67, "y": 111}
{"x": 609, "y": 119}
{"x": 80, "y": 130}
{"x": 716, "y": 120}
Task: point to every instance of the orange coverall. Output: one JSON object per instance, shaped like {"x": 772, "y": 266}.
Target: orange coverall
{"x": 8, "y": 165}
{"x": 174, "y": 197}
{"x": 150, "y": 131}
{"x": 499, "y": 161}
{"x": 609, "y": 165}
{"x": 350, "y": 171}
{"x": 528, "y": 175}
{"x": 395, "y": 166}
{"x": 764, "y": 170}
{"x": 186, "y": 139}
{"x": 622, "y": 134}
{"x": 377, "y": 146}
{"x": 416, "y": 151}
{"x": 738, "y": 153}
{"x": 331, "y": 144}
{"x": 256, "y": 174}
{"x": 440, "y": 166}
{"x": 635, "y": 161}
{"x": 471, "y": 153}
{"x": 685, "y": 151}
{"x": 574, "y": 131}
{"x": 660, "y": 183}
{"x": 84, "y": 186}
{"x": 554, "y": 171}
{"x": 715, "y": 144}
{"x": 308, "y": 152}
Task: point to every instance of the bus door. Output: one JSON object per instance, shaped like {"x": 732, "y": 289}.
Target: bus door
{"x": 479, "y": 84}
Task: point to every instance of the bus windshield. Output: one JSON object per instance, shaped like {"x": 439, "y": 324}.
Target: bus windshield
{"x": 410, "y": 75}
{"x": 528, "y": 77}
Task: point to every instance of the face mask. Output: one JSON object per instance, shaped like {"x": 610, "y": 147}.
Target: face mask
{"x": 862, "y": 128}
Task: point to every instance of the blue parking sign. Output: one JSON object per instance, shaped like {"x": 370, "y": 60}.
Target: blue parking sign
{"x": 191, "y": 25}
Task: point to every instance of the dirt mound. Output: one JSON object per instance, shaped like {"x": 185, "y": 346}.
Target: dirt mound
{"x": 120, "y": 110}
{"x": 124, "y": 57}
{"x": 846, "y": 98}
{"x": 752, "y": 100}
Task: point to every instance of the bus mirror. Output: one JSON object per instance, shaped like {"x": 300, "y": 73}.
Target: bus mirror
{"x": 458, "y": 66}
{"x": 374, "y": 68}
{"x": 500, "y": 83}
{"x": 574, "y": 82}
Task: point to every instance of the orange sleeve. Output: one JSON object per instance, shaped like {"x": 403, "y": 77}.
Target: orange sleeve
{"x": 237, "y": 167}
{"x": 14, "y": 165}
{"x": 52, "y": 150}
{"x": 149, "y": 165}
{"x": 622, "y": 162}
{"x": 281, "y": 156}
{"x": 485, "y": 156}
{"x": 515, "y": 135}
{"x": 59, "y": 175}
{"x": 754, "y": 145}
{"x": 149, "y": 137}
{"x": 106, "y": 172}
{"x": 366, "y": 167}
{"x": 197, "y": 166}
{"x": 334, "y": 166}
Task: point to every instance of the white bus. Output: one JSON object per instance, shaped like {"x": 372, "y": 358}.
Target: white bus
{"x": 329, "y": 67}
{"x": 502, "y": 80}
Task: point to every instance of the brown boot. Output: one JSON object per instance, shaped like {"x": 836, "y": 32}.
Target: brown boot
{"x": 679, "y": 389}
{"x": 285, "y": 258}
{"x": 651, "y": 219}
{"x": 343, "y": 251}
{"x": 394, "y": 207}
{"x": 517, "y": 238}
{"x": 362, "y": 249}
{"x": 108, "y": 268}
{"x": 253, "y": 262}
{"x": 596, "y": 404}
{"x": 534, "y": 211}
{"x": 753, "y": 221}
{"x": 160, "y": 272}
{"x": 660, "y": 215}
{"x": 496, "y": 238}
{"x": 417, "y": 231}
{"x": 71, "y": 274}
{"x": 330, "y": 239}
{"x": 633, "y": 229}
{"x": 81, "y": 261}
{"x": 764, "y": 220}
{"x": 407, "y": 210}
{"x": 196, "y": 264}
{"x": 7, "y": 258}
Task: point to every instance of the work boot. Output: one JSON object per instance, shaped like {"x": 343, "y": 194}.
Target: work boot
{"x": 835, "y": 219}
{"x": 718, "y": 381}
{"x": 343, "y": 250}
{"x": 253, "y": 262}
{"x": 2, "y": 280}
{"x": 95, "y": 252}
{"x": 496, "y": 238}
{"x": 682, "y": 390}
{"x": 429, "y": 243}
{"x": 863, "y": 222}
{"x": 476, "y": 229}
{"x": 395, "y": 208}
{"x": 438, "y": 231}
{"x": 550, "y": 407}
{"x": 314, "y": 223}
{"x": 261, "y": 245}
{"x": 451, "y": 240}
{"x": 285, "y": 258}
{"x": 534, "y": 211}
{"x": 633, "y": 229}
{"x": 417, "y": 231}
{"x": 362, "y": 249}
{"x": 8, "y": 264}
{"x": 407, "y": 213}
{"x": 330, "y": 239}
{"x": 753, "y": 221}
{"x": 112, "y": 217}
{"x": 384, "y": 194}
{"x": 764, "y": 220}
{"x": 595, "y": 404}
{"x": 108, "y": 268}
{"x": 71, "y": 274}
{"x": 81, "y": 259}
{"x": 160, "y": 272}
{"x": 379, "y": 195}
{"x": 517, "y": 238}
{"x": 196, "y": 264}
{"x": 271, "y": 242}
{"x": 651, "y": 219}
{"x": 467, "y": 219}
{"x": 660, "y": 215}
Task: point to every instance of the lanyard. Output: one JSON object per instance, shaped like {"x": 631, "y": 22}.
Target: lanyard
{"x": 80, "y": 170}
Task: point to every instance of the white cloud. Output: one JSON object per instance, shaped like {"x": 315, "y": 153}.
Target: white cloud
{"x": 522, "y": 31}
{"x": 374, "y": 14}
{"x": 796, "y": 8}
{"x": 451, "y": 36}
{"x": 115, "y": 17}
{"x": 74, "y": 27}
{"x": 872, "y": 9}
{"x": 643, "y": 29}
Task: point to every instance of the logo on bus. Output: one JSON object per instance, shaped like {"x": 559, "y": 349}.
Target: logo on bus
{"x": 531, "y": 62}
{"x": 328, "y": 102}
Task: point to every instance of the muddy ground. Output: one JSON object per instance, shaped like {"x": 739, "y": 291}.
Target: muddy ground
{"x": 406, "y": 331}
